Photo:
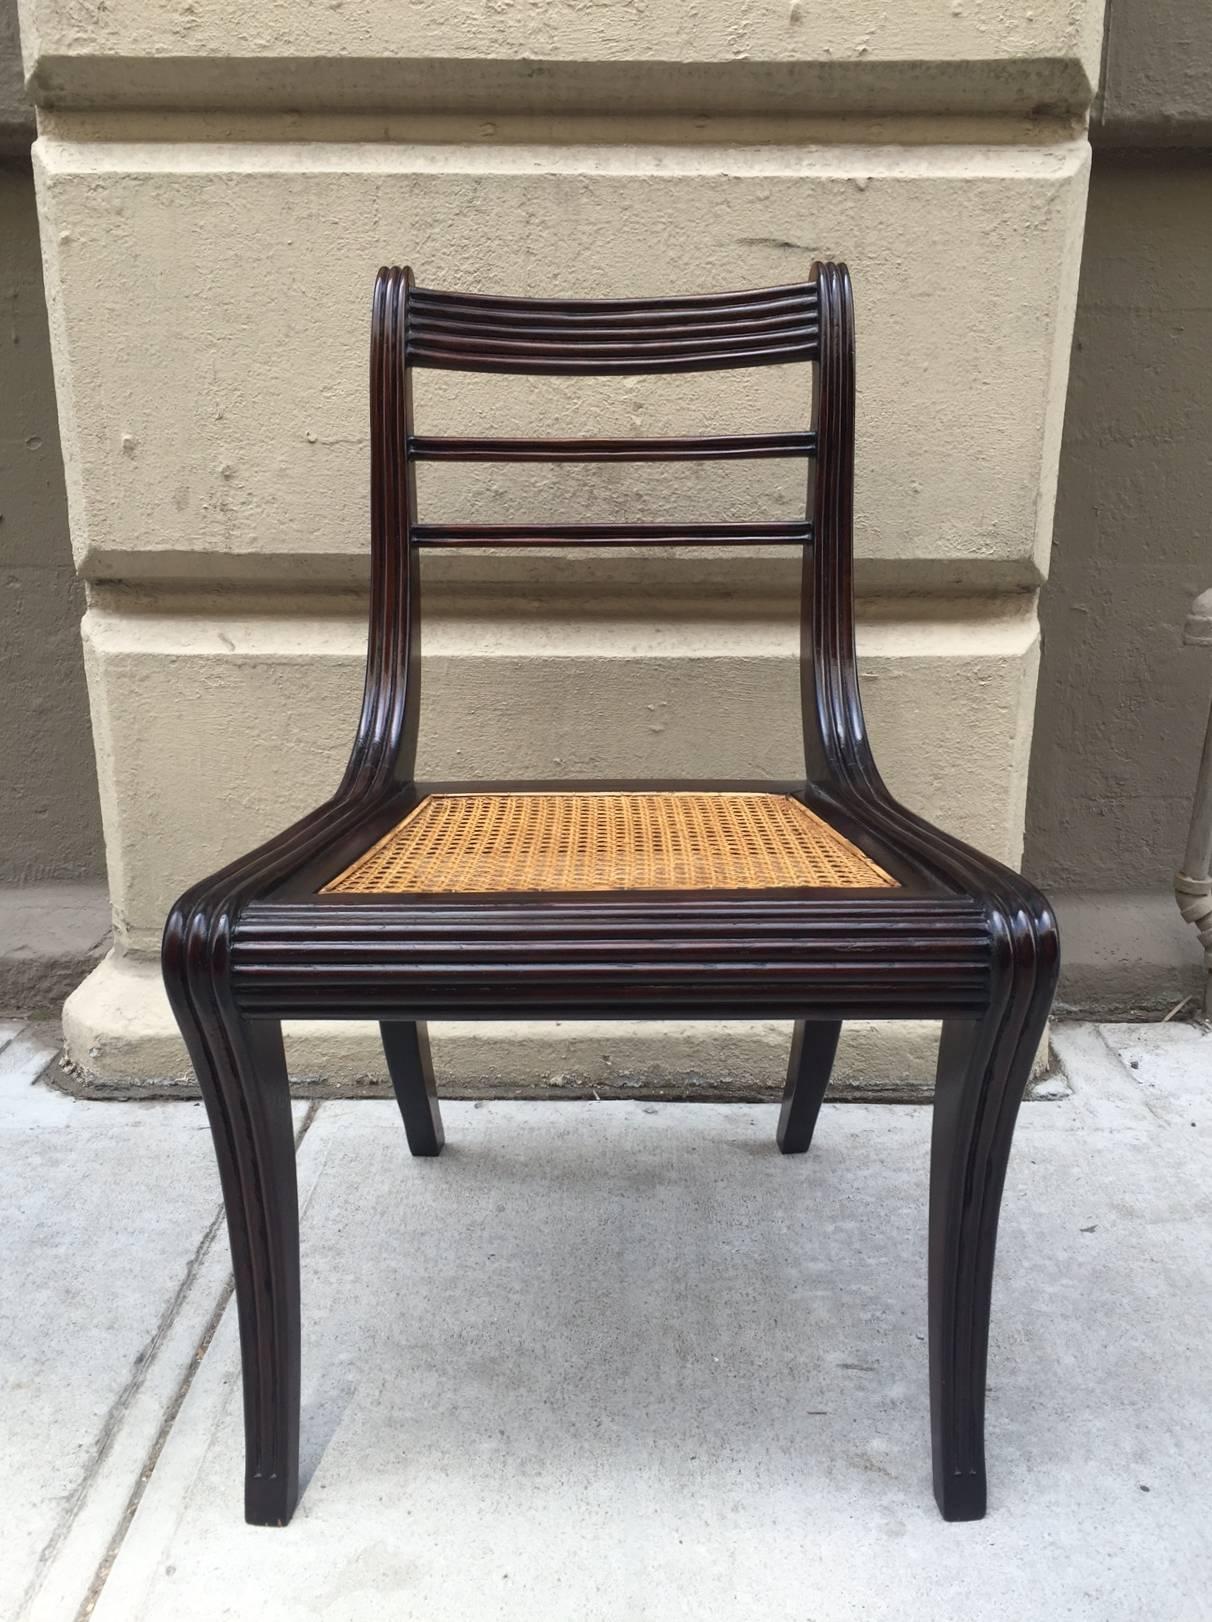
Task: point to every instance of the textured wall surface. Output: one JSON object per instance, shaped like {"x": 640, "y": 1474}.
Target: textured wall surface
{"x": 49, "y": 822}
{"x": 1123, "y": 704}
{"x": 201, "y": 459}
{"x": 16, "y": 114}
{"x": 249, "y": 715}
{"x": 216, "y": 190}
{"x": 1157, "y": 85}
{"x": 562, "y": 55}
{"x": 262, "y": 454}
{"x": 50, "y": 826}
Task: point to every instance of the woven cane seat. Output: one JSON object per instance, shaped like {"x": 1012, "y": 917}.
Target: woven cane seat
{"x": 551, "y": 842}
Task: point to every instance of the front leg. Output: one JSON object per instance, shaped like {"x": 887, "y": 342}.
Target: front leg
{"x": 241, "y": 1069}
{"x": 983, "y": 1068}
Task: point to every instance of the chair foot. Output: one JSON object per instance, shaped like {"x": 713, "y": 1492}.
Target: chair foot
{"x": 813, "y": 1046}
{"x": 406, "y": 1044}
{"x": 270, "y": 1500}
{"x": 241, "y": 1070}
{"x": 983, "y": 1068}
{"x": 961, "y": 1498}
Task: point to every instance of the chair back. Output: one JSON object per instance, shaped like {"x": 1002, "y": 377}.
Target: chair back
{"x": 414, "y": 327}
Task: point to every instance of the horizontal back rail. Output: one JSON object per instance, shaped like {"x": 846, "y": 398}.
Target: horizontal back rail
{"x": 704, "y": 306}
{"x": 700, "y": 448}
{"x": 536, "y": 363}
{"x": 469, "y": 332}
{"x": 611, "y": 333}
{"x": 798, "y": 533}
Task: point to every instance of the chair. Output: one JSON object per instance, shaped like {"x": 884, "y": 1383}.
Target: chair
{"x": 814, "y": 901}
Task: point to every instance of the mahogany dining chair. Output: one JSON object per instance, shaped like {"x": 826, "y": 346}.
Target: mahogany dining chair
{"x": 816, "y": 900}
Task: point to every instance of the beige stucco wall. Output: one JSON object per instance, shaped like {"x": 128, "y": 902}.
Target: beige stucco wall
{"x": 765, "y": 55}
{"x": 208, "y": 273}
{"x": 251, "y": 713}
{"x": 263, "y": 456}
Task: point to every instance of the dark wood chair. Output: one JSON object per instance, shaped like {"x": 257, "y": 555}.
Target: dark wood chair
{"x": 815, "y": 901}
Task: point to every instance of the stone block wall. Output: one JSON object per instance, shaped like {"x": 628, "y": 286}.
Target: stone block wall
{"x": 1123, "y": 704}
{"x": 50, "y": 831}
{"x": 216, "y": 190}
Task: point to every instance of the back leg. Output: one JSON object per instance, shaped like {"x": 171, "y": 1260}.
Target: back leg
{"x": 406, "y": 1044}
{"x": 812, "y": 1050}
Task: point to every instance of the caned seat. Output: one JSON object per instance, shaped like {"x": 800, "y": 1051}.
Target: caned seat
{"x": 484, "y": 844}
{"x": 816, "y": 900}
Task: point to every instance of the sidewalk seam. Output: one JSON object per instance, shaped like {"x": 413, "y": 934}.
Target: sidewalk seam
{"x": 1129, "y": 1075}
{"x": 117, "y": 1411}
{"x": 105, "y": 1565}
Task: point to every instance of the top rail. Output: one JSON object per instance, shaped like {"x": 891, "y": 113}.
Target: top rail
{"x": 479, "y": 333}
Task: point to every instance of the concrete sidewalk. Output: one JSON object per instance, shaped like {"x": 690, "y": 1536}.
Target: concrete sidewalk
{"x": 612, "y": 1360}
